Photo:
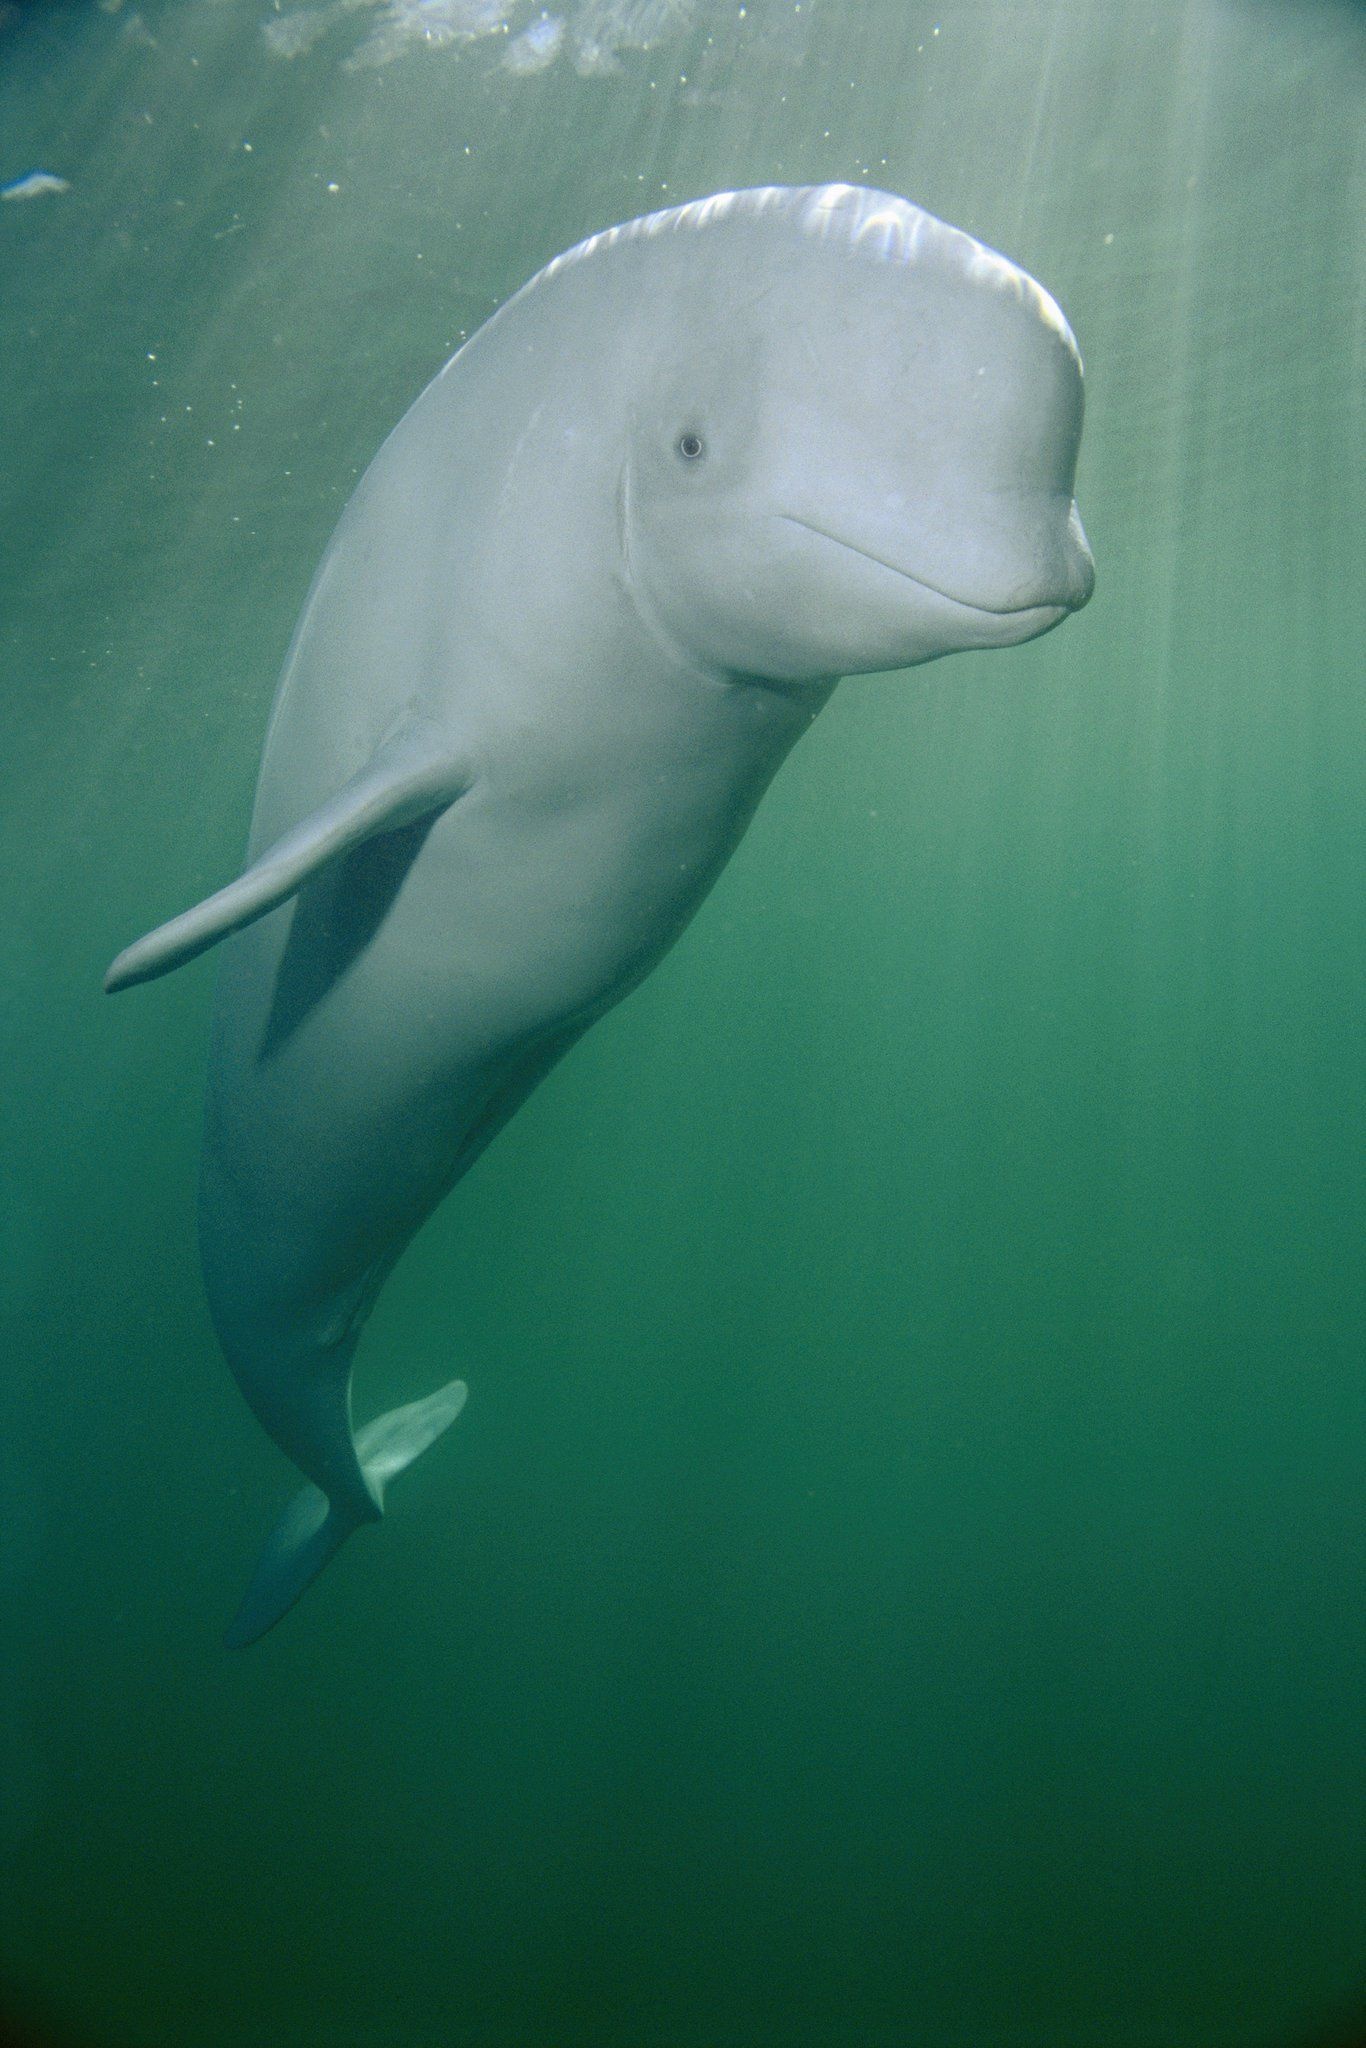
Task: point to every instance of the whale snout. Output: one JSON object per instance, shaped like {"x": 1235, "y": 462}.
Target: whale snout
{"x": 1063, "y": 583}
{"x": 975, "y": 580}
{"x": 1080, "y": 582}
{"x": 1051, "y": 569}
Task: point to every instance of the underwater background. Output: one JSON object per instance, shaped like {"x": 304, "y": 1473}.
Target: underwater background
{"x": 897, "y": 1580}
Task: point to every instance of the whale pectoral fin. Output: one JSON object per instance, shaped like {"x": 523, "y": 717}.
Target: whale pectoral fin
{"x": 408, "y": 777}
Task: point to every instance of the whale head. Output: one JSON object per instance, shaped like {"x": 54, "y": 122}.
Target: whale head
{"x": 851, "y": 442}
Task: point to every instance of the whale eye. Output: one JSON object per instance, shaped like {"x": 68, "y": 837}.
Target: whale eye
{"x": 690, "y": 446}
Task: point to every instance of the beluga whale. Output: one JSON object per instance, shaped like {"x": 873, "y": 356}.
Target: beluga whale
{"x": 603, "y": 574}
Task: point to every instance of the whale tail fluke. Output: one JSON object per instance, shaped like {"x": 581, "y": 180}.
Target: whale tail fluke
{"x": 312, "y": 1529}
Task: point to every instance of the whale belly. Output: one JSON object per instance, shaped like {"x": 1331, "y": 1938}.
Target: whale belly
{"x": 370, "y": 1039}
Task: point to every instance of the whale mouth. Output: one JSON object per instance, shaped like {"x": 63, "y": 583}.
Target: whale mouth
{"x": 1037, "y": 616}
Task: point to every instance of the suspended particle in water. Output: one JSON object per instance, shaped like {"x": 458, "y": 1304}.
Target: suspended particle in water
{"x": 34, "y": 185}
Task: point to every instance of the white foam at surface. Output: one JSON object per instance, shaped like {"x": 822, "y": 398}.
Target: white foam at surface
{"x": 536, "y": 48}
{"x": 597, "y": 32}
{"x": 605, "y": 28}
{"x": 290, "y": 35}
{"x": 429, "y": 24}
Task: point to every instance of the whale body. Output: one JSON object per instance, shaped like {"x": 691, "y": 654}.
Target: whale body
{"x": 594, "y": 586}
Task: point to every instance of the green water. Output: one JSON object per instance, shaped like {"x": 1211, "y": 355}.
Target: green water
{"x": 896, "y": 1583}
